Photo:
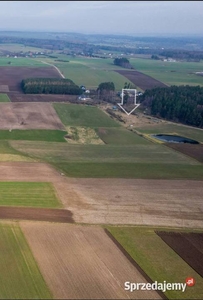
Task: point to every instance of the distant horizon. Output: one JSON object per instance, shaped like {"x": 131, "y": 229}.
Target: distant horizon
{"x": 104, "y": 34}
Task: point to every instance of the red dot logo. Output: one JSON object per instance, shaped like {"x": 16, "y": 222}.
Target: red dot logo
{"x": 190, "y": 281}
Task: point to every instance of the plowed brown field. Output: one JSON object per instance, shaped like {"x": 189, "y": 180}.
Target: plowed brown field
{"x": 29, "y": 116}
{"x": 36, "y": 214}
{"x": 80, "y": 262}
{"x": 141, "y": 80}
{"x": 187, "y": 246}
{"x": 12, "y": 76}
{"x": 17, "y": 97}
{"x": 195, "y": 151}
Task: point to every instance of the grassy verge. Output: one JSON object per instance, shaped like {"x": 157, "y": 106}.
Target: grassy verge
{"x": 130, "y": 170}
{"x": 30, "y": 194}
{"x": 4, "y": 98}
{"x": 20, "y": 276}
{"x": 158, "y": 260}
{"x": 81, "y": 115}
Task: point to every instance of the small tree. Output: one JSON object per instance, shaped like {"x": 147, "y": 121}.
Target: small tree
{"x": 106, "y": 90}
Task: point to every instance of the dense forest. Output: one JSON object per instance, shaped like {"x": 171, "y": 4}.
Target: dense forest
{"x": 176, "y": 103}
{"x": 50, "y": 86}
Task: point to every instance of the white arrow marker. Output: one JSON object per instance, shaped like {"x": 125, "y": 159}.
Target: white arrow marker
{"x": 136, "y": 104}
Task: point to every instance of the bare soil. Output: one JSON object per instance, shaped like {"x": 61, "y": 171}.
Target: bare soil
{"x": 185, "y": 245}
{"x": 195, "y": 151}
{"x": 141, "y": 80}
{"x": 29, "y": 116}
{"x": 176, "y": 203}
{"x": 141, "y": 202}
{"x": 133, "y": 120}
{"x": 18, "y": 97}
{"x": 82, "y": 262}
{"x": 12, "y": 76}
{"x": 36, "y": 214}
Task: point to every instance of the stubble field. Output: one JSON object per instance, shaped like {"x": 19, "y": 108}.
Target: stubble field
{"x": 29, "y": 116}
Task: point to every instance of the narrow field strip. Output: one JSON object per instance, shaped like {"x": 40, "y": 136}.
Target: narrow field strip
{"x": 36, "y": 214}
{"x": 32, "y": 194}
{"x": 20, "y": 277}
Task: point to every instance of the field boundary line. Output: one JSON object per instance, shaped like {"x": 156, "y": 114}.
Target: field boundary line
{"x": 44, "y": 62}
{"x": 132, "y": 261}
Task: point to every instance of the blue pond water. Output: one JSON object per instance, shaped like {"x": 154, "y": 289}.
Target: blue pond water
{"x": 173, "y": 138}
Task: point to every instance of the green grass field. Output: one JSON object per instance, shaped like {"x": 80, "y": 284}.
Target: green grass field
{"x": 89, "y": 71}
{"x": 131, "y": 170}
{"x": 171, "y": 73}
{"x": 4, "y": 98}
{"x": 30, "y": 194}
{"x": 158, "y": 260}
{"x": 18, "y": 47}
{"x": 20, "y": 276}
{"x": 20, "y": 62}
{"x": 82, "y": 115}
{"x": 193, "y": 133}
{"x": 120, "y": 136}
{"x": 63, "y": 152}
{"x": 33, "y": 135}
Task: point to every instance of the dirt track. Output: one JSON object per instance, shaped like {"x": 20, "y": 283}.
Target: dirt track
{"x": 36, "y": 214}
{"x": 82, "y": 262}
{"x": 118, "y": 201}
{"x": 141, "y": 80}
{"x": 29, "y": 116}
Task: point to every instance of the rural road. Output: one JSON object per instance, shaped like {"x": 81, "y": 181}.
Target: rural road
{"x": 44, "y": 62}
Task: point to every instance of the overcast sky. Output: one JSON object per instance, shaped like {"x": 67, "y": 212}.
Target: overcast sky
{"x": 108, "y": 17}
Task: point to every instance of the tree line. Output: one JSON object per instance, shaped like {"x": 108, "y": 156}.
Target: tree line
{"x": 176, "y": 103}
{"x": 50, "y": 86}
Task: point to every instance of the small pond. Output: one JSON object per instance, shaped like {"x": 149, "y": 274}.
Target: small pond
{"x": 174, "y": 138}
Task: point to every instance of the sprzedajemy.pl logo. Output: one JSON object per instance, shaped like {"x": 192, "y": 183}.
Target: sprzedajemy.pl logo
{"x": 160, "y": 286}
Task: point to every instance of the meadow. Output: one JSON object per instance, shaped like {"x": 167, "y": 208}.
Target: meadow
{"x": 63, "y": 152}
{"x": 20, "y": 276}
{"x": 29, "y": 194}
{"x": 82, "y": 115}
{"x": 119, "y": 136}
{"x": 130, "y": 170}
{"x": 33, "y": 135}
{"x": 20, "y": 62}
{"x": 170, "y": 73}
{"x": 157, "y": 259}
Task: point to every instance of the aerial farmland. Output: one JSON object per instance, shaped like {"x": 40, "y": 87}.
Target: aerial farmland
{"x": 88, "y": 200}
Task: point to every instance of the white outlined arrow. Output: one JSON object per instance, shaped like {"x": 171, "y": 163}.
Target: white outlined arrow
{"x": 136, "y": 104}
